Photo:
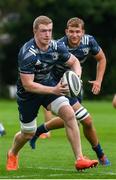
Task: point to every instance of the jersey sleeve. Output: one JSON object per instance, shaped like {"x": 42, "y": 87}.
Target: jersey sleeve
{"x": 26, "y": 63}
{"x": 64, "y": 54}
{"x": 94, "y": 46}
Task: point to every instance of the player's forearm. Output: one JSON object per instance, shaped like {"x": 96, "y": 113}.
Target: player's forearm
{"x": 76, "y": 67}
{"x": 38, "y": 88}
{"x": 101, "y": 66}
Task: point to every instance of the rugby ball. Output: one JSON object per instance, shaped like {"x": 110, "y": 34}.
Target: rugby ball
{"x": 73, "y": 82}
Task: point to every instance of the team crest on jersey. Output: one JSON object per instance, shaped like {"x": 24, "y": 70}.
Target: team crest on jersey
{"x": 38, "y": 62}
{"x": 85, "y": 51}
{"x": 55, "y": 55}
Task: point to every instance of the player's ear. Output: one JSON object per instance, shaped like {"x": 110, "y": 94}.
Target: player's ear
{"x": 83, "y": 31}
{"x": 34, "y": 31}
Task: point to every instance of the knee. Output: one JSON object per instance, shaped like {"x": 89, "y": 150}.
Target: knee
{"x": 67, "y": 113}
{"x": 70, "y": 121}
{"x": 28, "y": 129}
{"x": 28, "y": 136}
{"x": 70, "y": 118}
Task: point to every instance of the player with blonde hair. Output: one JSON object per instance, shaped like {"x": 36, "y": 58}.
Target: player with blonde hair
{"x": 37, "y": 86}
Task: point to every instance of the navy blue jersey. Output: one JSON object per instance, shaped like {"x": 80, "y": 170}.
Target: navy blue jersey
{"x": 32, "y": 60}
{"x": 88, "y": 45}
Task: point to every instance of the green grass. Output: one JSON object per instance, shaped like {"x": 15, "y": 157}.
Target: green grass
{"x": 53, "y": 158}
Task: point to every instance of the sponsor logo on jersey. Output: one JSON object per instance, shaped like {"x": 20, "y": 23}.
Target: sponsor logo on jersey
{"x": 38, "y": 62}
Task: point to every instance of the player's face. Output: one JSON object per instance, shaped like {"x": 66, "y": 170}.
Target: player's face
{"x": 43, "y": 34}
{"x": 74, "y": 35}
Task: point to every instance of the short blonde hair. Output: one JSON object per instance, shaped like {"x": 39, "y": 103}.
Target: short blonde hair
{"x": 41, "y": 20}
{"x": 75, "y": 22}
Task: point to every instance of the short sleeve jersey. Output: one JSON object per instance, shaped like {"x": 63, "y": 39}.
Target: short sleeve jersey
{"x": 32, "y": 60}
{"x": 88, "y": 45}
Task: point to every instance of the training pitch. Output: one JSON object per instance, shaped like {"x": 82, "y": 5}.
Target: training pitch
{"x": 53, "y": 157}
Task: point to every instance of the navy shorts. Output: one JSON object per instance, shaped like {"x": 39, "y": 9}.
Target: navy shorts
{"x": 72, "y": 101}
{"x": 28, "y": 109}
{"x": 75, "y": 99}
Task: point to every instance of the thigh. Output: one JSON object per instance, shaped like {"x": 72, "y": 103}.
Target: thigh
{"x": 28, "y": 109}
{"x": 48, "y": 99}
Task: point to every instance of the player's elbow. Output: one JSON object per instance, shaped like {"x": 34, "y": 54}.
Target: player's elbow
{"x": 27, "y": 87}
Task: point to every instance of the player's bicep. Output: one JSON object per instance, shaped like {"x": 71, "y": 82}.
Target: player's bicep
{"x": 71, "y": 60}
{"x": 26, "y": 79}
{"x": 26, "y": 64}
{"x": 74, "y": 65}
{"x": 100, "y": 56}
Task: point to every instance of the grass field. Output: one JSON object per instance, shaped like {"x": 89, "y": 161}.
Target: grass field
{"x": 53, "y": 157}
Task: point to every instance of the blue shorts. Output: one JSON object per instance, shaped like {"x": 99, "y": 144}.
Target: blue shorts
{"x": 28, "y": 109}
{"x": 75, "y": 99}
{"x": 72, "y": 101}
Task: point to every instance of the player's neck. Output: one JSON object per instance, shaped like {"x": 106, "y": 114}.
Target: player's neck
{"x": 72, "y": 45}
{"x": 41, "y": 46}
